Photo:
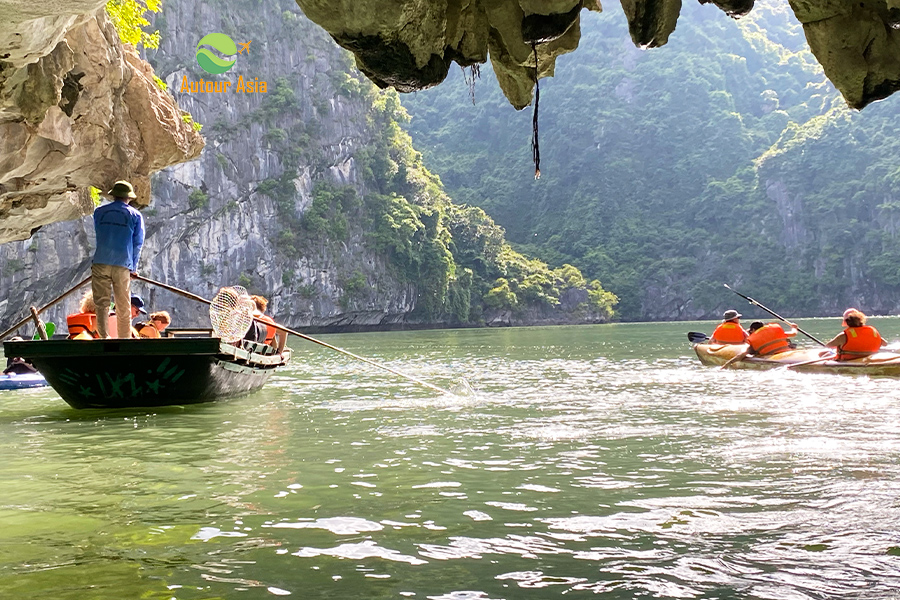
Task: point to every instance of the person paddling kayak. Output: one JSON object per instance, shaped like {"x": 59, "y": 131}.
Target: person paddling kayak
{"x": 765, "y": 340}
{"x": 857, "y": 340}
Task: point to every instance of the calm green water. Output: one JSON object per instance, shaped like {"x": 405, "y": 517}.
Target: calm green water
{"x": 588, "y": 461}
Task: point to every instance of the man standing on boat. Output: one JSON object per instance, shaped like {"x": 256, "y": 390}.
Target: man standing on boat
{"x": 120, "y": 236}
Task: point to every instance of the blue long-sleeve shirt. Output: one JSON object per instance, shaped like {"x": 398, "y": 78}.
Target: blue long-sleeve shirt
{"x": 120, "y": 235}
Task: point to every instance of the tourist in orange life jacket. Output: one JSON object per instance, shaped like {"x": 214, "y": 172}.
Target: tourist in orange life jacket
{"x": 765, "y": 340}
{"x": 136, "y": 308}
{"x": 729, "y": 330}
{"x": 260, "y": 313}
{"x": 769, "y": 339}
{"x": 155, "y": 327}
{"x": 858, "y": 339}
{"x": 83, "y": 324}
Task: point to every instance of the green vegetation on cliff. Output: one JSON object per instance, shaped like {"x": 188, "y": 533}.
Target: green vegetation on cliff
{"x": 129, "y": 18}
{"x": 457, "y": 254}
{"x": 455, "y": 257}
{"x": 724, "y": 156}
{"x": 327, "y": 153}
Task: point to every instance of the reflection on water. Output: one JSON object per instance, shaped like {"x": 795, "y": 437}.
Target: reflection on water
{"x": 573, "y": 461}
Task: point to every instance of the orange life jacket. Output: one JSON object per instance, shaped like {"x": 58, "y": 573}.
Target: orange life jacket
{"x": 270, "y": 331}
{"x": 729, "y": 332}
{"x": 82, "y": 323}
{"x": 861, "y": 341}
{"x": 768, "y": 339}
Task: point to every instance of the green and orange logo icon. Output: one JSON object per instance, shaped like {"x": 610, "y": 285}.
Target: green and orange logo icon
{"x": 213, "y": 63}
{"x": 216, "y": 54}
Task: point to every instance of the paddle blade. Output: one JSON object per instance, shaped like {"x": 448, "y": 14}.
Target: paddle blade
{"x": 697, "y": 337}
{"x": 49, "y": 327}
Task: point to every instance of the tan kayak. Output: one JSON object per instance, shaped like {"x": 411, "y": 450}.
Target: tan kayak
{"x": 810, "y": 360}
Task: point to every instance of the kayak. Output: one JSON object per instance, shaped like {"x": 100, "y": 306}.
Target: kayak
{"x": 18, "y": 382}
{"x": 809, "y": 360}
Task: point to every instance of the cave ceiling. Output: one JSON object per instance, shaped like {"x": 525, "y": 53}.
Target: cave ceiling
{"x": 410, "y": 44}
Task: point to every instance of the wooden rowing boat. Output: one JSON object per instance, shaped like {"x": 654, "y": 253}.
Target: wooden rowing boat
{"x": 132, "y": 373}
{"x": 810, "y": 360}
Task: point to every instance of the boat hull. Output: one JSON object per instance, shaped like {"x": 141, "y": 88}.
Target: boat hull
{"x": 882, "y": 364}
{"x": 146, "y": 372}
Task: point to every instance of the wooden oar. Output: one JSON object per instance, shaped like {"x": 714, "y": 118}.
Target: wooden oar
{"x": 774, "y": 314}
{"x": 43, "y": 308}
{"x": 810, "y": 362}
{"x": 186, "y": 294}
{"x": 39, "y": 325}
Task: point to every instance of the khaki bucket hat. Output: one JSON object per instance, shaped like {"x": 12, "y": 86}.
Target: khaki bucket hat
{"x": 122, "y": 189}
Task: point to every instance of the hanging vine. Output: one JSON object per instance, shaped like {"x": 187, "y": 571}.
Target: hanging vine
{"x": 470, "y": 76}
{"x": 535, "y": 146}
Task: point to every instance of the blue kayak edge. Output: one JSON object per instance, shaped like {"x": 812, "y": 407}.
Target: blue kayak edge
{"x": 19, "y": 382}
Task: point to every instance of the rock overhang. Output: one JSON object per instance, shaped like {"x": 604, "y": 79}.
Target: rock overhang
{"x": 410, "y": 44}
{"x": 78, "y": 109}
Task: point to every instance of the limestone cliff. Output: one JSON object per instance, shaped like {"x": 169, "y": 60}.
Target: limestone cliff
{"x": 283, "y": 199}
{"x": 208, "y": 223}
{"x": 410, "y": 44}
{"x": 77, "y": 109}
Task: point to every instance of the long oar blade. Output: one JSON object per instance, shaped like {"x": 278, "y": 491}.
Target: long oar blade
{"x": 697, "y": 337}
{"x": 809, "y": 362}
{"x": 186, "y": 294}
{"x": 773, "y": 313}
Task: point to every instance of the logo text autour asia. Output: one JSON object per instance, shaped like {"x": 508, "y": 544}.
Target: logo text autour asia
{"x": 216, "y": 64}
{"x": 220, "y": 87}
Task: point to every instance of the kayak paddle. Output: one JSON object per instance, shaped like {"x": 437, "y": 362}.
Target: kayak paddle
{"x": 774, "y": 314}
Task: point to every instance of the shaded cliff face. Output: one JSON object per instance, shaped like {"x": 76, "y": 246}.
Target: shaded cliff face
{"x": 216, "y": 226}
{"x": 410, "y": 44}
{"x": 77, "y": 109}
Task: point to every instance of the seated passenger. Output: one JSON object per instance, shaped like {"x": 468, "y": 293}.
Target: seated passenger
{"x": 858, "y": 339}
{"x": 155, "y": 326}
{"x": 83, "y": 325}
{"x": 16, "y": 365}
{"x": 765, "y": 340}
{"x": 256, "y": 332}
{"x": 137, "y": 307}
{"x": 729, "y": 330}
{"x": 769, "y": 339}
{"x": 259, "y": 313}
